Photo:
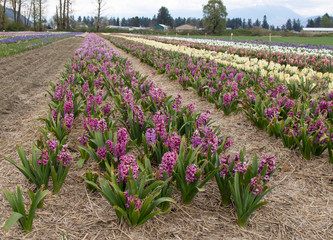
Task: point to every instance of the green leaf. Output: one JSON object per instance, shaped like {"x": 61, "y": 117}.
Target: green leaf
{"x": 135, "y": 216}
{"x": 149, "y": 216}
{"x": 25, "y": 171}
{"x": 81, "y": 162}
{"x": 150, "y": 188}
{"x": 10, "y": 199}
{"x": 11, "y": 220}
{"x": 20, "y": 201}
{"x": 243, "y": 219}
{"x": 210, "y": 175}
{"x": 122, "y": 213}
{"x": 40, "y": 195}
{"x": 92, "y": 154}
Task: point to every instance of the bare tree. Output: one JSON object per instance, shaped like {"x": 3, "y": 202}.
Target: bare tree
{"x": 100, "y": 7}
{"x": 27, "y": 10}
{"x": 64, "y": 15}
{"x": 40, "y": 15}
{"x": 18, "y": 20}
{"x": 13, "y": 3}
{"x": 60, "y": 15}
{"x": 67, "y": 16}
{"x": 3, "y": 15}
{"x": 34, "y": 13}
{"x": 57, "y": 17}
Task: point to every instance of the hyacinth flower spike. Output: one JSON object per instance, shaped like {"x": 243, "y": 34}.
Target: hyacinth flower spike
{"x": 248, "y": 185}
{"x": 187, "y": 173}
{"x": 137, "y": 202}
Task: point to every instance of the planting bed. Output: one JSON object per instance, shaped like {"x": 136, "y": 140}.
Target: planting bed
{"x": 300, "y": 207}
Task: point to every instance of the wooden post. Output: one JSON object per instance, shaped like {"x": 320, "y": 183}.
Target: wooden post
{"x": 270, "y": 36}
{"x": 205, "y": 35}
{"x": 231, "y": 35}
{"x": 188, "y": 34}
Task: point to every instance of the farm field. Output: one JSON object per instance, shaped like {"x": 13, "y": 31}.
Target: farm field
{"x": 298, "y": 207}
{"x": 16, "y": 42}
{"x": 302, "y": 40}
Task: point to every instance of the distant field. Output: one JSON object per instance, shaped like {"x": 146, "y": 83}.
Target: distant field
{"x": 304, "y": 40}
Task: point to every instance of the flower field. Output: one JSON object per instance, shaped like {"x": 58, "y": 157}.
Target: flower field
{"x": 13, "y": 43}
{"x": 151, "y": 160}
{"x": 316, "y": 57}
{"x": 296, "y": 109}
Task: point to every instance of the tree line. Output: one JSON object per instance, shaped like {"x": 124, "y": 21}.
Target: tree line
{"x": 324, "y": 21}
{"x": 62, "y": 17}
{"x": 26, "y": 13}
{"x": 137, "y": 21}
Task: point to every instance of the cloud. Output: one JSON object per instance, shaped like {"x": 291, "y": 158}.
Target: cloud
{"x": 306, "y": 8}
{"x": 147, "y": 8}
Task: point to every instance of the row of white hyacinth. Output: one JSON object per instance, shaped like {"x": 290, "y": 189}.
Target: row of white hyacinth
{"x": 245, "y": 45}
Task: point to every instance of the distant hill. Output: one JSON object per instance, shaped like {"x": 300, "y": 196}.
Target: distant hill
{"x": 276, "y": 15}
{"x": 10, "y": 15}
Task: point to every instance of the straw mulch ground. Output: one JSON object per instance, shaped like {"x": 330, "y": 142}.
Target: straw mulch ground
{"x": 300, "y": 207}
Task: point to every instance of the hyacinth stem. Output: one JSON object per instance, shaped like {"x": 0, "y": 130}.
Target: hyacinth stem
{"x": 242, "y": 222}
{"x": 226, "y": 200}
{"x": 187, "y": 201}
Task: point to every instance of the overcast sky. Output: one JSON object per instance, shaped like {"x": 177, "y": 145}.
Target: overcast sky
{"x": 147, "y": 8}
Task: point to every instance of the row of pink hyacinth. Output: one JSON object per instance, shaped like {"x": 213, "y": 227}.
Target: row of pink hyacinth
{"x": 97, "y": 63}
{"x": 172, "y": 141}
{"x": 231, "y": 90}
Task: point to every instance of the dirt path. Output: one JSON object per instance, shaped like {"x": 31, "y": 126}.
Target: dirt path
{"x": 24, "y": 79}
{"x": 300, "y": 206}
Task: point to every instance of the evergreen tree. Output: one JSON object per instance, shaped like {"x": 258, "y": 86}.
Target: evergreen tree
{"x": 297, "y": 25}
{"x": 92, "y": 20}
{"x": 124, "y": 22}
{"x": 135, "y": 22}
{"x": 310, "y": 23}
{"x": 317, "y": 22}
{"x": 179, "y": 21}
{"x": 265, "y": 23}
{"x": 257, "y": 23}
{"x": 249, "y": 23}
{"x": 164, "y": 17}
{"x": 289, "y": 25}
{"x": 326, "y": 21}
{"x": 300, "y": 27}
